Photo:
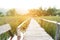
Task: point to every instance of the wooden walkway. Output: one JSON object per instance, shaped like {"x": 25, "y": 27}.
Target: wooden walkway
{"x": 35, "y": 32}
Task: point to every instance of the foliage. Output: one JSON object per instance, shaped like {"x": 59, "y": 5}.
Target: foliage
{"x": 50, "y": 28}
{"x": 51, "y": 11}
{"x": 14, "y": 22}
{"x": 34, "y": 12}
{"x": 12, "y": 12}
{"x": 4, "y": 36}
{"x": 1, "y": 14}
{"x": 44, "y": 12}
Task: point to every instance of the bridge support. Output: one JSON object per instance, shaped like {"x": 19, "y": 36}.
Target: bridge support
{"x": 57, "y": 36}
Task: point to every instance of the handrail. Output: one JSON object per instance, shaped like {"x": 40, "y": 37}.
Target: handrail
{"x": 23, "y": 23}
{"x": 49, "y": 20}
{"x": 4, "y": 28}
{"x": 19, "y": 33}
{"x": 57, "y": 36}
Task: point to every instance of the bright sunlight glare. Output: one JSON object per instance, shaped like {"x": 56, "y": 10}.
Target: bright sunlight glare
{"x": 24, "y": 5}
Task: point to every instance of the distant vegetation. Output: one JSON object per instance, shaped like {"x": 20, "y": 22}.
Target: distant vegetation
{"x": 33, "y": 12}
{"x": 44, "y": 12}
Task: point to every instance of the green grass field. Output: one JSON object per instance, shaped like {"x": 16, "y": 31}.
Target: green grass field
{"x": 50, "y": 28}
{"x": 14, "y": 22}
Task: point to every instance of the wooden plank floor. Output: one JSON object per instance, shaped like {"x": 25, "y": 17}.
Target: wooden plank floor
{"x": 36, "y": 32}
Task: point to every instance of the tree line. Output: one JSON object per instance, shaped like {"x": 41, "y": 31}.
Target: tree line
{"x": 44, "y": 12}
{"x": 34, "y": 12}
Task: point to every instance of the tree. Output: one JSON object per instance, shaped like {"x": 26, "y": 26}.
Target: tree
{"x": 12, "y": 12}
{"x": 35, "y": 12}
{"x": 51, "y": 11}
{"x": 43, "y": 12}
{"x": 57, "y": 12}
{"x": 1, "y": 14}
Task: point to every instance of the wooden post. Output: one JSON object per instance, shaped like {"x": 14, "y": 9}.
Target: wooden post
{"x": 57, "y": 36}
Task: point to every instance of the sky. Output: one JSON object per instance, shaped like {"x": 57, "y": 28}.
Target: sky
{"x": 24, "y": 5}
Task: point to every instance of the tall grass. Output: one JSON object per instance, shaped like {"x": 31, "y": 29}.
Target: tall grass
{"x": 14, "y": 21}
{"x": 50, "y": 28}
